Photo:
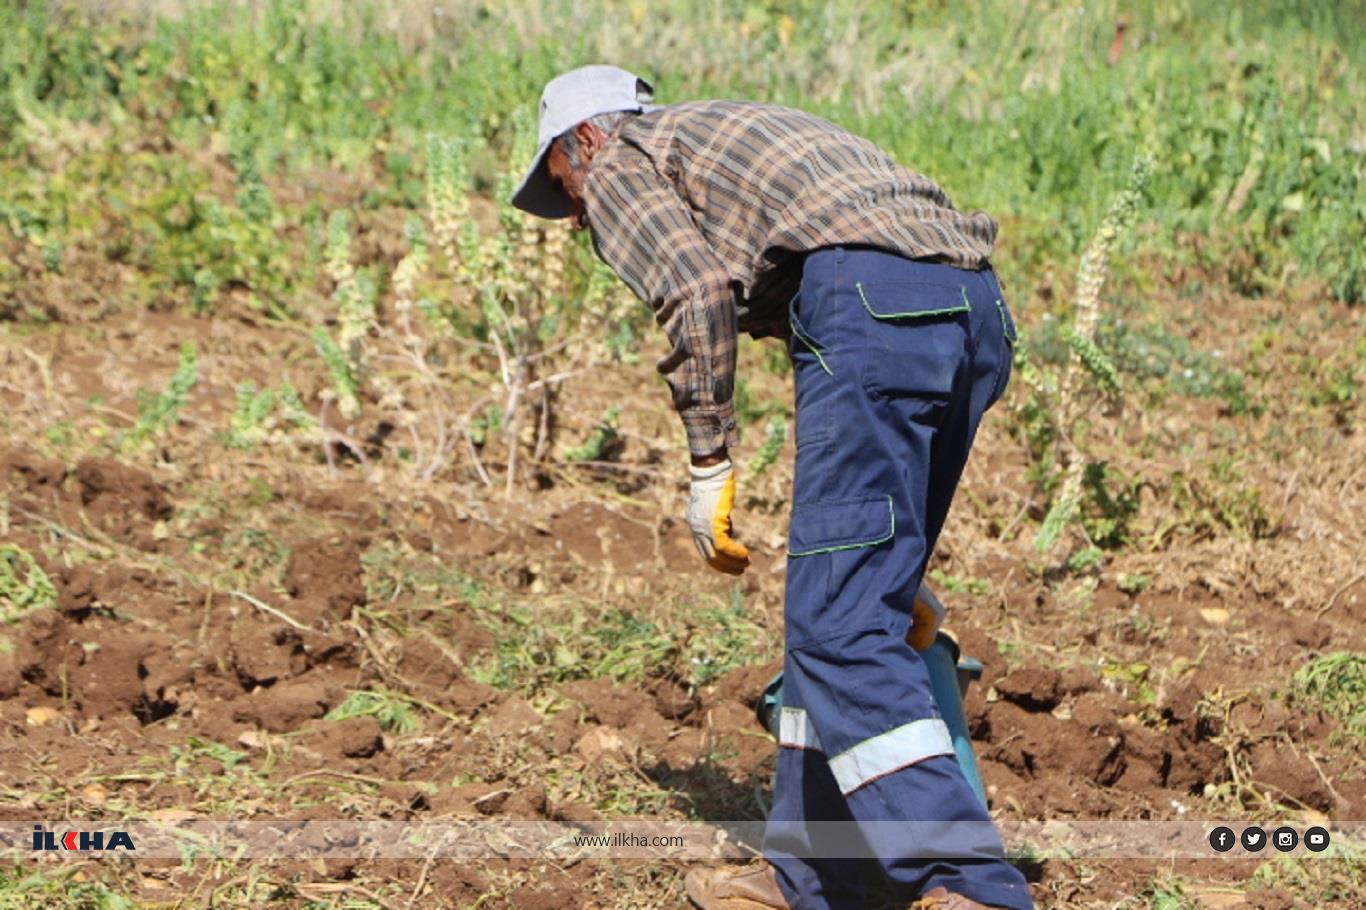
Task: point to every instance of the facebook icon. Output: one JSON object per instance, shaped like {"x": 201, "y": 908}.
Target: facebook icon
{"x": 1221, "y": 839}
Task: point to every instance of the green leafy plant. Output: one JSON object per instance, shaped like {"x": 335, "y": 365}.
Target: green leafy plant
{"x": 354, "y": 295}
{"x": 345, "y": 387}
{"x": 158, "y": 413}
{"x": 725, "y": 636}
{"x": 24, "y": 586}
{"x": 959, "y": 584}
{"x": 1135, "y": 676}
{"x": 600, "y": 442}
{"x": 263, "y": 415}
{"x": 198, "y": 747}
{"x": 1218, "y": 501}
{"x": 1133, "y": 583}
{"x": 247, "y": 426}
{"x": 1057, "y": 412}
{"x": 392, "y": 712}
{"x": 773, "y": 443}
{"x": 1337, "y": 682}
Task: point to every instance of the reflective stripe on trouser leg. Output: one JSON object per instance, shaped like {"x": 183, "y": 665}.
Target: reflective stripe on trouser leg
{"x": 873, "y": 758}
{"x": 888, "y": 752}
{"x": 876, "y": 757}
{"x": 795, "y": 730}
{"x": 805, "y": 790}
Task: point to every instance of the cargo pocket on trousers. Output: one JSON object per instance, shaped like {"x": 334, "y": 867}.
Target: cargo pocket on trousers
{"x": 828, "y": 544}
{"x": 910, "y": 300}
{"x": 917, "y": 339}
{"x": 827, "y": 527}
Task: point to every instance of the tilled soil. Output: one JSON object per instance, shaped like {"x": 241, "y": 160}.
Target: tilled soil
{"x": 191, "y": 661}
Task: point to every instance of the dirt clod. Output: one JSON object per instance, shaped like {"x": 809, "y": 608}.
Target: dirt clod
{"x": 122, "y": 500}
{"x": 671, "y": 699}
{"x": 359, "y": 737}
{"x": 1032, "y": 688}
{"x": 264, "y": 654}
{"x": 286, "y": 707}
{"x": 514, "y": 717}
{"x": 325, "y": 577}
{"x": 601, "y": 743}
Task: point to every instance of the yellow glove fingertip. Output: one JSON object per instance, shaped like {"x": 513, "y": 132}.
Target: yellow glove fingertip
{"x": 722, "y": 562}
{"x": 732, "y": 548}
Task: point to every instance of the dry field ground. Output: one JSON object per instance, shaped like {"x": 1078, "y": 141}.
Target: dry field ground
{"x": 507, "y": 635}
{"x": 214, "y": 610}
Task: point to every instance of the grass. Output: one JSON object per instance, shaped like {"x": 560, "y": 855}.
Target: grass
{"x": 1316, "y": 881}
{"x": 24, "y": 586}
{"x": 23, "y": 887}
{"x": 392, "y": 713}
{"x": 549, "y": 640}
{"x": 1312, "y": 880}
{"x": 1254, "y": 112}
{"x": 1336, "y": 682}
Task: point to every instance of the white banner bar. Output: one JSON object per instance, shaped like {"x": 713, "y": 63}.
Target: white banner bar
{"x": 653, "y": 839}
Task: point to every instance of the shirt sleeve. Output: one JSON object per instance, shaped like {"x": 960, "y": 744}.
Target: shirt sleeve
{"x": 645, "y": 232}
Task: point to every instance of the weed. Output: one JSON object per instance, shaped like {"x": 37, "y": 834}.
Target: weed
{"x": 57, "y": 889}
{"x": 1318, "y": 883}
{"x": 61, "y": 434}
{"x": 1084, "y": 559}
{"x": 197, "y": 748}
{"x": 249, "y": 556}
{"x": 723, "y": 638}
{"x": 601, "y": 442}
{"x": 246, "y": 427}
{"x": 1111, "y": 504}
{"x": 957, "y": 584}
{"x": 533, "y": 649}
{"x": 24, "y": 586}
{"x": 354, "y": 296}
{"x": 1134, "y": 677}
{"x": 1220, "y": 501}
{"x": 393, "y": 713}
{"x": 157, "y": 413}
{"x": 537, "y": 644}
{"x": 767, "y": 453}
{"x": 1133, "y": 583}
{"x": 1337, "y": 683}
{"x": 265, "y": 416}
{"x": 1232, "y": 387}
{"x": 1169, "y": 893}
{"x": 345, "y": 384}
{"x": 619, "y": 792}
{"x": 1057, "y": 411}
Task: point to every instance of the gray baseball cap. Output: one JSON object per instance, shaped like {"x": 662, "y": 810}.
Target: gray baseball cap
{"x": 567, "y": 101}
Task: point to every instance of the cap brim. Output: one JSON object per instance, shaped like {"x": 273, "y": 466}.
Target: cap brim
{"x": 539, "y": 193}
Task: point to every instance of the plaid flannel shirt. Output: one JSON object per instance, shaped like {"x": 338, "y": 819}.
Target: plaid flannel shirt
{"x": 706, "y": 208}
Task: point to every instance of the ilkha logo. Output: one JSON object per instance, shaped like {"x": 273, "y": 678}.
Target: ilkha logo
{"x": 43, "y": 839}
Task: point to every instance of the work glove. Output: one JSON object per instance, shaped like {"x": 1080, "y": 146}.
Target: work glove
{"x": 927, "y": 615}
{"x": 710, "y": 500}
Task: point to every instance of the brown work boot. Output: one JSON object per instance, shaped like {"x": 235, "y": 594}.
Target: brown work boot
{"x": 749, "y": 889}
{"x": 944, "y": 899}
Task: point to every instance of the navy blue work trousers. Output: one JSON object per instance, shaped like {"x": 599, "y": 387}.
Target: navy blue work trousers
{"x": 896, "y": 361}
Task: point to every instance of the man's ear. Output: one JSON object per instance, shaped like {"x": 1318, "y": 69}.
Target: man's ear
{"x": 590, "y": 137}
